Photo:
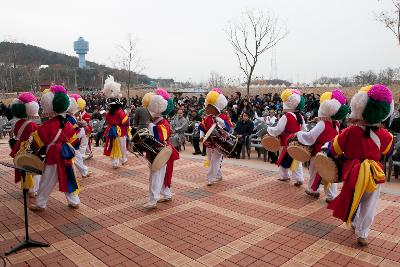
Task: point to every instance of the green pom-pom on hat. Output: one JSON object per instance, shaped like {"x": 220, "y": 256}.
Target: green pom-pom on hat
{"x": 375, "y": 111}
{"x": 60, "y": 102}
{"x": 342, "y": 113}
{"x": 19, "y": 111}
{"x": 301, "y": 105}
{"x": 170, "y": 107}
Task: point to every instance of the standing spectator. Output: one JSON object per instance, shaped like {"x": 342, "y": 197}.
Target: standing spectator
{"x": 243, "y": 129}
{"x": 141, "y": 119}
{"x": 179, "y": 126}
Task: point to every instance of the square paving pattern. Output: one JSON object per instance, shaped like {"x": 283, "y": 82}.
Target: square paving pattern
{"x": 248, "y": 219}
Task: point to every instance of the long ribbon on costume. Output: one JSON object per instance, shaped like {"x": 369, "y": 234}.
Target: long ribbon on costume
{"x": 370, "y": 171}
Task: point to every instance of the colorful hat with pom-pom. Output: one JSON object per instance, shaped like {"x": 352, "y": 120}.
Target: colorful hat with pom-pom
{"x": 216, "y": 99}
{"x": 25, "y": 105}
{"x": 159, "y": 103}
{"x": 79, "y": 101}
{"x": 372, "y": 104}
{"x": 73, "y": 105}
{"x": 333, "y": 105}
{"x": 55, "y": 100}
{"x": 292, "y": 100}
{"x": 112, "y": 90}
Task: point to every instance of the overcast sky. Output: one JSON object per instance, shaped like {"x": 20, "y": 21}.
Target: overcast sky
{"x": 184, "y": 39}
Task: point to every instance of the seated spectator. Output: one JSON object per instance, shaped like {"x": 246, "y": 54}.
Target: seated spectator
{"x": 179, "y": 125}
{"x": 243, "y": 128}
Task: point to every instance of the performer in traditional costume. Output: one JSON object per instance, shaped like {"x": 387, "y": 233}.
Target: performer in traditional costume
{"x": 80, "y": 134}
{"x": 215, "y": 102}
{"x": 160, "y": 104}
{"x": 363, "y": 144}
{"x": 288, "y": 125}
{"x": 117, "y": 125}
{"x": 55, "y": 137}
{"x": 84, "y": 121}
{"x": 26, "y": 109}
{"x": 332, "y": 109}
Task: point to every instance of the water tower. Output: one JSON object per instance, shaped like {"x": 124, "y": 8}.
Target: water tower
{"x": 81, "y": 47}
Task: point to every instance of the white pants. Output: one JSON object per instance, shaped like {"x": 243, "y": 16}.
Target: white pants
{"x": 119, "y": 161}
{"x": 214, "y": 166}
{"x": 84, "y": 144}
{"x": 47, "y": 183}
{"x": 330, "y": 191}
{"x": 82, "y": 168}
{"x": 36, "y": 181}
{"x": 157, "y": 187}
{"x": 366, "y": 212}
{"x": 297, "y": 175}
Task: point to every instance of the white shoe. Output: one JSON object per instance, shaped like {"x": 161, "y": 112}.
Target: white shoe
{"x": 150, "y": 205}
{"x": 164, "y": 199}
{"x": 219, "y": 179}
{"x": 209, "y": 183}
{"x": 89, "y": 173}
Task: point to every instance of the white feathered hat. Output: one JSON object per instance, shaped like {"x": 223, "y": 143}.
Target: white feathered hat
{"x": 25, "y": 105}
{"x": 112, "y": 90}
{"x": 292, "y": 100}
{"x": 216, "y": 99}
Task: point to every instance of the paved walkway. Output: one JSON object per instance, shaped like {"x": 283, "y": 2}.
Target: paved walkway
{"x": 248, "y": 219}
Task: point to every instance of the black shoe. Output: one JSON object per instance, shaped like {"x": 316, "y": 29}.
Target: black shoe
{"x": 196, "y": 153}
{"x": 203, "y": 154}
{"x": 237, "y": 157}
{"x": 231, "y": 156}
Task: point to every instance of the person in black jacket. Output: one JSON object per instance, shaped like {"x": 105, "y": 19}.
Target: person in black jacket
{"x": 243, "y": 128}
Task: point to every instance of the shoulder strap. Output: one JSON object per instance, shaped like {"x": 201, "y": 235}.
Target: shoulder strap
{"x": 22, "y": 129}
{"x": 56, "y": 137}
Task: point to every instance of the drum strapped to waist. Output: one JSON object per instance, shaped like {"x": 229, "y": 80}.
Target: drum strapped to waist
{"x": 220, "y": 139}
{"x": 271, "y": 143}
{"x": 330, "y": 169}
{"x": 157, "y": 152}
{"x": 298, "y": 151}
{"x": 29, "y": 161}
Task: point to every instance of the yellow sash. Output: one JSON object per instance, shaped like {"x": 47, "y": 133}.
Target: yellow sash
{"x": 116, "y": 151}
{"x": 370, "y": 171}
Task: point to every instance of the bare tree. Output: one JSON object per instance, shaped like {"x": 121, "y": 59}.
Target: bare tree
{"x": 129, "y": 59}
{"x": 388, "y": 75}
{"x": 251, "y": 36}
{"x": 391, "y": 19}
{"x": 216, "y": 80}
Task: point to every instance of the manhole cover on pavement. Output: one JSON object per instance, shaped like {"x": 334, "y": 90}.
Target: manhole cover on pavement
{"x": 312, "y": 227}
{"x": 196, "y": 193}
{"x": 79, "y": 227}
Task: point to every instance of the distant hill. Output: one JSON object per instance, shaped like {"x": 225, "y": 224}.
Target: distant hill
{"x": 19, "y": 69}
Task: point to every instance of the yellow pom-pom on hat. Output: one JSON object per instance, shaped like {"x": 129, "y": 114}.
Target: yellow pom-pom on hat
{"x": 81, "y": 103}
{"x": 147, "y": 99}
{"x": 285, "y": 94}
{"x": 365, "y": 89}
{"x": 325, "y": 96}
{"x": 217, "y": 99}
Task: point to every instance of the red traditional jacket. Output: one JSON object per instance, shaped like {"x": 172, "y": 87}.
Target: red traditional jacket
{"x": 23, "y": 135}
{"x": 46, "y": 136}
{"x": 292, "y": 127}
{"x": 330, "y": 131}
{"x": 86, "y": 117}
{"x": 118, "y": 119}
{"x": 209, "y": 120}
{"x": 162, "y": 132}
{"x": 357, "y": 148}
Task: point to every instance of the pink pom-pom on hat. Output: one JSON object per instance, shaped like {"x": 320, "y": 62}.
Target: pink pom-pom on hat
{"x": 296, "y": 91}
{"x": 217, "y": 90}
{"x": 379, "y": 92}
{"x": 75, "y": 96}
{"x": 27, "y": 97}
{"x": 339, "y": 96}
{"x": 162, "y": 92}
{"x": 58, "y": 89}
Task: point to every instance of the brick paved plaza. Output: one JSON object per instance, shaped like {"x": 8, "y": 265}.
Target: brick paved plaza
{"x": 248, "y": 219}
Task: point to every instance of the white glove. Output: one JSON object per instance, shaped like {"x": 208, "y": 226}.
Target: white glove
{"x": 325, "y": 146}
